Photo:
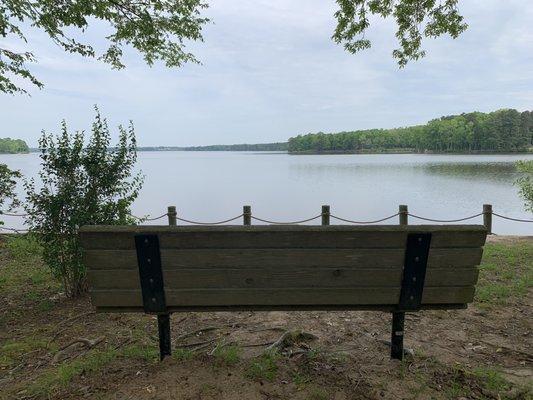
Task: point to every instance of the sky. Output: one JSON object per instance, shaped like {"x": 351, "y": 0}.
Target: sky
{"x": 271, "y": 71}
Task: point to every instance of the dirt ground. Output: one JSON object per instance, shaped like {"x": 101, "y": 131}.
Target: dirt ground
{"x": 52, "y": 347}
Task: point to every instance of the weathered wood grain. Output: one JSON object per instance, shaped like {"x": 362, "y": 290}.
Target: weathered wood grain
{"x": 282, "y": 297}
{"x": 192, "y": 278}
{"x": 288, "y": 258}
{"x": 349, "y": 237}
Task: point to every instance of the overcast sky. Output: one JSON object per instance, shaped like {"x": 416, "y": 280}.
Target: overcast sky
{"x": 271, "y": 71}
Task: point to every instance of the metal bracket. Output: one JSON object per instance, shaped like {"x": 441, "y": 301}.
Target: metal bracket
{"x": 414, "y": 271}
{"x": 150, "y": 274}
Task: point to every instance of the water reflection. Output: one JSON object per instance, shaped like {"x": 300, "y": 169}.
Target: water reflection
{"x": 213, "y": 186}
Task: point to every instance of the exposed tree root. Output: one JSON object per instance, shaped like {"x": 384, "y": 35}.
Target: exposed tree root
{"x": 289, "y": 338}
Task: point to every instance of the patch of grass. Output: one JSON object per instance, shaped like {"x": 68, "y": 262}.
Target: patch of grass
{"x": 506, "y": 273}
{"x": 24, "y": 273}
{"x": 317, "y": 394}
{"x": 264, "y": 367}
{"x": 492, "y": 379}
{"x": 147, "y": 353}
{"x": 227, "y": 355}
{"x": 24, "y": 247}
{"x": 63, "y": 375}
{"x": 12, "y": 350}
{"x": 485, "y": 382}
{"x": 182, "y": 354}
{"x": 209, "y": 390}
{"x": 95, "y": 360}
{"x": 300, "y": 379}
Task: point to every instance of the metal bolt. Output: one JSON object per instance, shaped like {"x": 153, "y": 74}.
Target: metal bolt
{"x": 414, "y": 278}
{"x": 148, "y": 260}
{"x": 419, "y": 240}
{"x": 146, "y": 241}
{"x": 412, "y": 297}
{"x": 153, "y": 300}
{"x": 417, "y": 259}
{"x": 151, "y": 280}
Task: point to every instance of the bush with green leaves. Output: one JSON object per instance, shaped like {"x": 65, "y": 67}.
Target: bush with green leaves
{"x": 82, "y": 183}
{"x": 525, "y": 182}
{"x": 8, "y": 184}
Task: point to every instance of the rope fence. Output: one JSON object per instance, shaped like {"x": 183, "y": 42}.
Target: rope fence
{"x": 325, "y": 215}
{"x": 286, "y": 223}
{"x": 364, "y": 222}
{"x": 209, "y": 223}
{"x": 445, "y": 220}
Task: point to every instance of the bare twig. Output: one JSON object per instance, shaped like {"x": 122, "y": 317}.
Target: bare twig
{"x": 201, "y": 330}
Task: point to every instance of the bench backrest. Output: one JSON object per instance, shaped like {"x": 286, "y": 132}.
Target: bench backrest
{"x": 283, "y": 267}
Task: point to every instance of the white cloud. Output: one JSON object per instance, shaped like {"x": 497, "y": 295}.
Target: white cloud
{"x": 270, "y": 71}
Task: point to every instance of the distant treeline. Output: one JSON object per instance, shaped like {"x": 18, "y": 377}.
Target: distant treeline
{"x": 223, "y": 147}
{"x": 13, "y": 146}
{"x": 499, "y": 131}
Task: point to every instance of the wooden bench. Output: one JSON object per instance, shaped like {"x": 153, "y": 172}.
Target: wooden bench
{"x": 165, "y": 269}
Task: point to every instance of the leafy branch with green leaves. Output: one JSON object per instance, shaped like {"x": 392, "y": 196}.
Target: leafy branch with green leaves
{"x": 8, "y": 184}
{"x": 160, "y": 29}
{"x": 525, "y": 182}
{"x": 415, "y": 19}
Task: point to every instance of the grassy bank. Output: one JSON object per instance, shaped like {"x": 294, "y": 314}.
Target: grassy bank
{"x": 53, "y": 347}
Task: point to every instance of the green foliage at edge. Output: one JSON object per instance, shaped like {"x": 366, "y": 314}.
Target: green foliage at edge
{"x": 499, "y": 131}
{"x": 13, "y": 146}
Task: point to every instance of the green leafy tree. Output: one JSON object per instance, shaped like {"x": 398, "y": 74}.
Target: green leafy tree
{"x": 525, "y": 182}
{"x": 8, "y": 145}
{"x": 8, "y": 184}
{"x": 81, "y": 184}
{"x": 159, "y": 29}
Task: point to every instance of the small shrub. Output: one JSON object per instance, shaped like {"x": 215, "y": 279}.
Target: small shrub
{"x": 8, "y": 183}
{"x": 82, "y": 183}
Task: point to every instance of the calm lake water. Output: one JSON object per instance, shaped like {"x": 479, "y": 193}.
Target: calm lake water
{"x": 211, "y": 186}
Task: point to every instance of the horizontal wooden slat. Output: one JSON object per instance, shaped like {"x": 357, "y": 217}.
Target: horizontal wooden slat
{"x": 282, "y": 297}
{"x": 335, "y": 236}
{"x": 290, "y": 258}
{"x": 279, "y": 278}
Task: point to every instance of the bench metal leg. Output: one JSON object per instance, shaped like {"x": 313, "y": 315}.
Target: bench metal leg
{"x": 163, "y": 325}
{"x": 398, "y": 319}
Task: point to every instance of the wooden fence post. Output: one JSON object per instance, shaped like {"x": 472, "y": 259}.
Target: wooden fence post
{"x": 487, "y": 217}
{"x": 172, "y": 214}
{"x": 325, "y": 215}
{"x": 247, "y": 215}
{"x": 404, "y": 217}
